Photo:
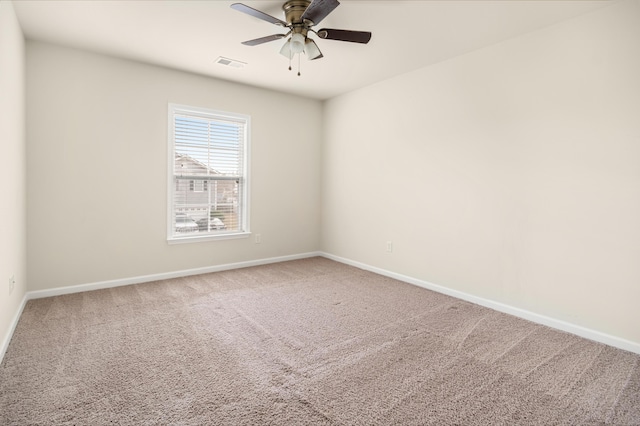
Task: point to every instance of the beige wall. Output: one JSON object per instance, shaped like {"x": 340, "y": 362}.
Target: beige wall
{"x": 97, "y": 157}
{"x": 511, "y": 173}
{"x": 13, "y": 170}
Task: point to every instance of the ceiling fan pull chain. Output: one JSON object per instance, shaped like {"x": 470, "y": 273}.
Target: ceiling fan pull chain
{"x": 299, "y": 54}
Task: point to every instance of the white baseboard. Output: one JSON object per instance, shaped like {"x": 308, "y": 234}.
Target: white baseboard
{"x": 587, "y": 333}
{"x": 12, "y": 328}
{"x": 163, "y": 276}
{"x": 501, "y": 307}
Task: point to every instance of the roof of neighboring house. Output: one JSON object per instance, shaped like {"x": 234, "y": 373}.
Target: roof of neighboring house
{"x": 190, "y": 166}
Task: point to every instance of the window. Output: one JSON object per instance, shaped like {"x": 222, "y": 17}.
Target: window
{"x": 208, "y": 182}
{"x": 198, "y": 185}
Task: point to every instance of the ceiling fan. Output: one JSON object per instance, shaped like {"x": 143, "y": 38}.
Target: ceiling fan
{"x": 301, "y": 16}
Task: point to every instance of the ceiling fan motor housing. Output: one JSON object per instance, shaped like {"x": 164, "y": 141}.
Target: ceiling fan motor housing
{"x": 293, "y": 10}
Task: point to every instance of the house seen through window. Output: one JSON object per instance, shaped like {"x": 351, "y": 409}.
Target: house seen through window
{"x": 208, "y": 194}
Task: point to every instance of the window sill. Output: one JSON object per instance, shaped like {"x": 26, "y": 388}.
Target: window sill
{"x": 205, "y": 238}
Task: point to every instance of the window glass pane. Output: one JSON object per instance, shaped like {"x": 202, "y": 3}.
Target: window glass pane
{"x": 214, "y": 210}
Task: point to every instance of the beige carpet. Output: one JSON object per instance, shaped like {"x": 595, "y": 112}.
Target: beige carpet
{"x": 303, "y": 342}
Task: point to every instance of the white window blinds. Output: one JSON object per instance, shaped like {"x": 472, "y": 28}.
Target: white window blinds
{"x": 208, "y": 188}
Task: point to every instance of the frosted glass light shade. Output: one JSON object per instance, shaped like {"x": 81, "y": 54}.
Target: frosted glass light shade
{"x": 311, "y": 49}
{"x": 286, "y": 50}
{"x": 297, "y": 43}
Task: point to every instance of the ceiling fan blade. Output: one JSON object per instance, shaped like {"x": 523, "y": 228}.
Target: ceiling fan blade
{"x": 257, "y": 14}
{"x": 257, "y": 41}
{"x": 318, "y": 10}
{"x": 345, "y": 35}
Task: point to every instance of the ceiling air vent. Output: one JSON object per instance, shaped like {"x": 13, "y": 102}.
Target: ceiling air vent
{"x": 230, "y": 62}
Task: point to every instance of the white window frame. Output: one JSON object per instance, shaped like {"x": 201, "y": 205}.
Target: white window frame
{"x": 244, "y": 230}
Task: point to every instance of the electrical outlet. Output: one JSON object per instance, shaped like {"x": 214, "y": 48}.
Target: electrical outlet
{"x": 389, "y": 247}
{"x": 12, "y": 283}
{"x": 258, "y": 238}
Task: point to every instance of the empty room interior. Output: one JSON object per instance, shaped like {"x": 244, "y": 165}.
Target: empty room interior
{"x": 415, "y": 212}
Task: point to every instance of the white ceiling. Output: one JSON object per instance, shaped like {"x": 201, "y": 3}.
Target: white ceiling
{"x": 190, "y": 35}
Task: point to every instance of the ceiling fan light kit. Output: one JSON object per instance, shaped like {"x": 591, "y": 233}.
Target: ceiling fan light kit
{"x": 301, "y": 16}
